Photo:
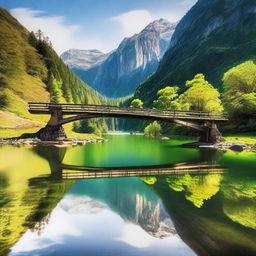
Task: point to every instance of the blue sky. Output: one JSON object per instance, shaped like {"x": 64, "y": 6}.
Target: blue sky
{"x": 93, "y": 24}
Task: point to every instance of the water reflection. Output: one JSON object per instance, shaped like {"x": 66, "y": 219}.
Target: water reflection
{"x": 21, "y": 205}
{"x": 213, "y": 213}
{"x": 206, "y": 163}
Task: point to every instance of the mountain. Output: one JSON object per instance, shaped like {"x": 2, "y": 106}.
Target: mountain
{"x": 210, "y": 39}
{"x": 131, "y": 63}
{"x": 31, "y": 71}
{"x": 83, "y": 59}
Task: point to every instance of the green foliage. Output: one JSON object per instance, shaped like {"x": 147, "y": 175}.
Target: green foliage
{"x": 55, "y": 89}
{"x": 3, "y": 82}
{"x": 240, "y": 89}
{"x": 153, "y": 130}
{"x": 32, "y": 40}
{"x": 201, "y": 95}
{"x": 197, "y": 49}
{"x": 166, "y": 98}
{"x": 136, "y": 103}
{"x": 239, "y": 202}
{"x": 197, "y": 189}
{"x": 3, "y": 100}
{"x": 35, "y": 72}
{"x": 149, "y": 180}
{"x": 3, "y": 96}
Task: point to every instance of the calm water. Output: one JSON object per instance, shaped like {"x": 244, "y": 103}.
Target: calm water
{"x": 206, "y": 214}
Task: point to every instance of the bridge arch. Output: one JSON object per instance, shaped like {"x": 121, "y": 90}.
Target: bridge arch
{"x": 204, "y": 122}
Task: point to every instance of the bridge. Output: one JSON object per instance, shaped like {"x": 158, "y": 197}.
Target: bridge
{"x": 73, "y": 172}
{"x": 204, "y": 122}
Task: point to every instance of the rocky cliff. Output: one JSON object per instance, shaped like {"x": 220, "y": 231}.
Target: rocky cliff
{"x": 132, "y": 62}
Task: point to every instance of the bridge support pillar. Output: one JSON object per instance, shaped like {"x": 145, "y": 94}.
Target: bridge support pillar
{"x": 212, "y": 134}
{"x": 51, "y": 133}
{"x": 53, "y": 130}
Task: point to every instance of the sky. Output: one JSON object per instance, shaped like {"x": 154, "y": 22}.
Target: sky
{"x": 92, "y": 24}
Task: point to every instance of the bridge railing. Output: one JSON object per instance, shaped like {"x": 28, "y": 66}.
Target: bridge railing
{"x": 80, "y": 108}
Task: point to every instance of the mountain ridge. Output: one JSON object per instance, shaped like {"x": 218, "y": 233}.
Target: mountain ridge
{"x": 84, "y": 59}
{"x": 132, "y": 62}
{"x": 211, "y": 38}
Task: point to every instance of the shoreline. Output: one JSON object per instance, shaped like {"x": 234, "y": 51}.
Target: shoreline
{"x": 58, "y": 143}
{"x": 233, "y": 146}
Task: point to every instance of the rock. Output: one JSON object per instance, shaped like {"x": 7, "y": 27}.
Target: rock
{"x": 237, "y": 148}
{"x": 164, "y": 138}
{"x": 51, "y": 133}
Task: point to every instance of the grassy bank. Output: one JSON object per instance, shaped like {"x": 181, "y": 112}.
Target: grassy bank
{"x": 245, "y": 138}
{"x": 11, "y": 133}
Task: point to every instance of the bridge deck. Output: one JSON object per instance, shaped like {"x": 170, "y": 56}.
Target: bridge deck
{"x": 83, "y": 172}
{"x": 114, "y": 111}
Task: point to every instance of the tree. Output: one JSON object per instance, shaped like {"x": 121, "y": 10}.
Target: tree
{"x": 201, "y": 95}
{"x": 3, "y": 82}
{"x": 39, "y": 35}
{"x": 153, "y": 130}
{"x": 32, "y": 40}
{"x": 3, "y": 100}
{"x": 240, "y": 89}
{"x": 55, "y": 89}
{"x": 166, "y": 98}
{"x": 136, "y": 103}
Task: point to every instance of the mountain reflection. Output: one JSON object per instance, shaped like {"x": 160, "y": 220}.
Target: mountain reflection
{"x": 130, "y": 199}
{"x": 41, "y": 213}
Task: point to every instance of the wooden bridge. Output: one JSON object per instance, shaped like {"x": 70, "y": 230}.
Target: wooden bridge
{"x": 205, "y": 122}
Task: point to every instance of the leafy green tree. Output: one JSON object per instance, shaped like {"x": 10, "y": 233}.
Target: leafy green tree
{"x": 153, "y": 130}
{"x": 136, "y": 103}
{"x": 240, "y": 89}
{"x": 166, "y": 98}
{"x": 201, "y": 95}
{"x": 32, "y": 39}
{"x": 197, "y": 189}
{"x": 55, "y": 89}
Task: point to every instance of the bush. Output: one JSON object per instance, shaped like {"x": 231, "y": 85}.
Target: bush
{"x": 153, "y": 130}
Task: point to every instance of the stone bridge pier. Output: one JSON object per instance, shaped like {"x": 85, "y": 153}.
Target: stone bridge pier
{"x": 53, "y": 130}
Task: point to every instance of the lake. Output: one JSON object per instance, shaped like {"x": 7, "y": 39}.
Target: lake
{"x": 45, "y": 212}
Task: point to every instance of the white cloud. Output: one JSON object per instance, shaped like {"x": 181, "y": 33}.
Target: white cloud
{"x": 134, "y": 21}
{"x": 62, "y": 36}
{"x": 188, "y": 2}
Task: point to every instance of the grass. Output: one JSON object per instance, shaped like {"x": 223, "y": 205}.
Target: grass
{"x": 71, "y": 134}
{"x": 249, "y": 139}
{"x": 11, "y": 133}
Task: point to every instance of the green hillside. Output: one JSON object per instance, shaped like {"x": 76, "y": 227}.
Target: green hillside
{"x": 213, "y": 37}
{"x": 30, "y": 70}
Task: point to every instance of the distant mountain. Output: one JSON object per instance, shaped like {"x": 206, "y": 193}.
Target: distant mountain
{"x": 211, "y": 38}
{"x": 83, "y": 59}
{"x": 131, "y": 63}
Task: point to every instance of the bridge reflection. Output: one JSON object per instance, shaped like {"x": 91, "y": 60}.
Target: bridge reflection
{"x": 207, "y": 163}
{"x": 84, "y": 172}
